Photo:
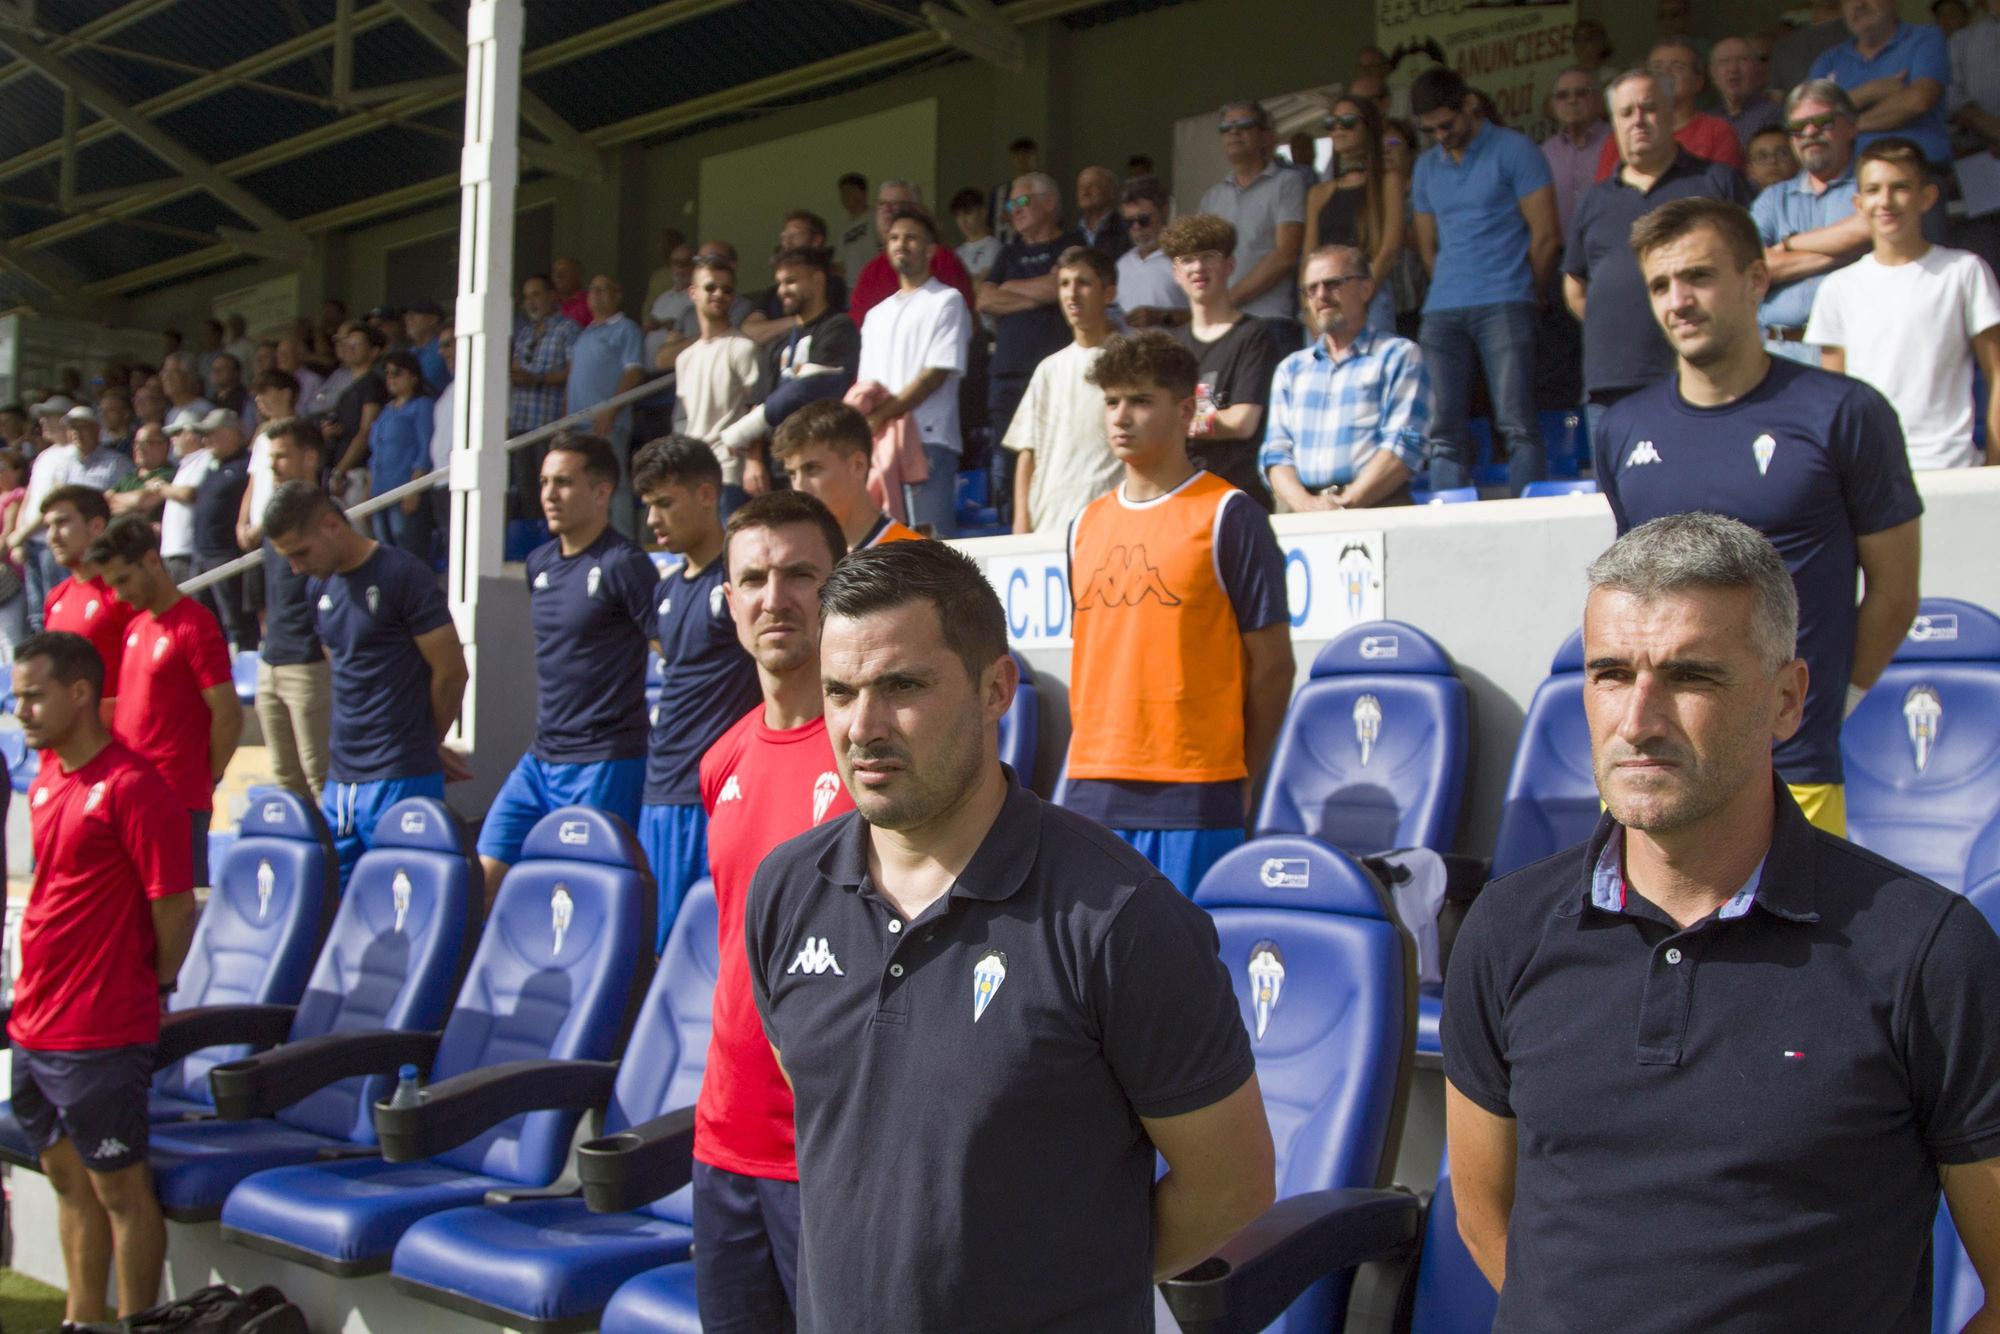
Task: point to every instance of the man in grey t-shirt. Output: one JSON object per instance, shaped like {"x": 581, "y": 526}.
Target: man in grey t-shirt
{"x": 1267, "y": 206}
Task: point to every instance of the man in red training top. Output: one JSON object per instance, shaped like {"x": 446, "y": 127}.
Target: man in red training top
{"x": 177, "y": 704}
{"x": 107, "y": 924}
{"x": 767, "y": 779}
{"x": 74, "y": 517}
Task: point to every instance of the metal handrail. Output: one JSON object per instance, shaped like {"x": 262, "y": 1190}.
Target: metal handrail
{"x": 435, "y": 478}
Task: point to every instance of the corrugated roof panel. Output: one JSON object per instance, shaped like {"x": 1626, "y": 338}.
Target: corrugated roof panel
{"x": 354, "y": 169}
{"x": 211, "y": 33}
{"x": 706, "y": 55}
{"x": 241, "y": 120}
{"x": 395, "y": 52}
{"x": 115, "y": 162}
{"x": 117, "y": 249}
{"x": 31, "y": 114}
{"x": 132, "y": 80}
{"x": 198, "y": 211}
{"x": 69, "y": 15}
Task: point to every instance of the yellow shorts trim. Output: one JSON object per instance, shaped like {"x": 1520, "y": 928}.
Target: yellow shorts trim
{"x": 1824, "y": 804}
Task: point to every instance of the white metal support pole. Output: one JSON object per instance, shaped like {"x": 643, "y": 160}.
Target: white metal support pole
{"x": 488, "y": 174}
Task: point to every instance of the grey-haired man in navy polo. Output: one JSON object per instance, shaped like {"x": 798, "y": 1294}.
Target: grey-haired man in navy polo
{"x": 1708, "y": 1070}
{"x": 992, "y": 1011}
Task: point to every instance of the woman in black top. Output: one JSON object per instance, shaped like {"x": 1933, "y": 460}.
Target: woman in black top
{"x": 1362, "y": 202}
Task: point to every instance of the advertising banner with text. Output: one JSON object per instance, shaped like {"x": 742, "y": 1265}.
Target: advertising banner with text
{"x": 1511, "y": 50}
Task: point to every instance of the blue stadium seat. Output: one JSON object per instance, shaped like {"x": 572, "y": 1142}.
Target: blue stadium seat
{"x": 523, "y": 536}
{"x": 661, "y": 1301}
{"x": 1373, "y": 751}
{"x": 1021, "y": 726}
{"x": 1923, "y": 774}
{"x": 560, "y": 964}
{"x": 1325, "y": 976}
{"x": 22, "y": 763}
{"x": 243, "y": 669}
{"x": 1551, "y": 798}
{"x": 1583, "y": 487}
{"x": 1452, "y": 1296}
{"x": 1565, "y": 441}
{"x": 253, "y": 944}
{"x": 549, "y": 1265}
{"x": 392, "y": 960}
{"x": 1451, "y": 495}
{"x": 664, "y": 561}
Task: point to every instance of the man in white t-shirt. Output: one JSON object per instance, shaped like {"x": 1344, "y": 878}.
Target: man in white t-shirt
{"x": 191, "y": 459}
{"x": 716, "y": 377}
{"x": 913, "y": 344}
{"x": 1063, "y": 456}
{"x": 1147, "y": 292}
{"x": 1910, "y": 317}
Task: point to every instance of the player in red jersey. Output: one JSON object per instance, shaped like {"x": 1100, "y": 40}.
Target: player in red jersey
{"x": 767, "y": 779}
{"x": 107, "y": 924}
{"x": 177, "y": 705}
{"x": 74, "y": 517}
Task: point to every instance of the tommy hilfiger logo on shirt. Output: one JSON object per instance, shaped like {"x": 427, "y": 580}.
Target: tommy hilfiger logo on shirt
{"x": 1645, "y": 453}
{"x": 816, "y": 957}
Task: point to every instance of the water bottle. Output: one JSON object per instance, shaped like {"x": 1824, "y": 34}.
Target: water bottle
{"x": 408, "y": 1094}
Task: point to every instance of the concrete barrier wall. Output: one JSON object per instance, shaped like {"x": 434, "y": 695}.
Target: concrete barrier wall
{"x": 1499, "y": 584}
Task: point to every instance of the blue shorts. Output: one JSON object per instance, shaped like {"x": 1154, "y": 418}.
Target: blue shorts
{"x": 676, "y": 842}
{"x": 537, "y": 787}
{"x": 351, "y": 810}
{"x": 746, "y": 1251}
{"x": 94, "y": 1099}
{"x": 1183, "y": 855}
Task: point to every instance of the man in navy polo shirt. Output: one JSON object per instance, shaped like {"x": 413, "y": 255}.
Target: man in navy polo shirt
{"x": 398, "y": 671}
{"x": 992, "y": 1012}
{"x": 1486, "y": 228}
{"x": 1812, "y": 460}
{"x": 707, "y": 681}
{"x": 590, "y": 596}
{"x": 1708, "y": 1070}
{"x": 1622, "y": 347}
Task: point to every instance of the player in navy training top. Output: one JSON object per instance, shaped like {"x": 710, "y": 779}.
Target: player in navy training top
{"x": 1813, "y": 460}
{"x": 398, "y": 671}
{"x": 707, "y": 681}
{"x": 590, "y": 596}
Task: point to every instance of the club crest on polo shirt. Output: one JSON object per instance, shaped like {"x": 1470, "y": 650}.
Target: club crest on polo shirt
{"x": 40, "y": 799}
{"x": 542, "y": 579}
{"x": 399, "y": 897}
{"x": 825, "y": 787}
{"x": 267, "y": 882}
{"x": 93, "y": 798}
{"x": 592, "y": 580}
{"x": 1367, "y": 726}
{"x": 326, "y": 602}
{"x": 1761, "y": 449}
{"x": 374, "y": 599}
{"x": 91, "y": 608}
{"x": 988, "y": 976}
{"x": 561, "y": 909}
{"x": 1267, "y": 981}
{"x": 715, "y": 601}
{"x": 1923, "y": 715}
{"x": 159, "y": 648}
{"x": 666, "y": 605}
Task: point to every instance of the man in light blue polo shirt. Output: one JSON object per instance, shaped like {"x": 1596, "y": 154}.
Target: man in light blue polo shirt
{"x": 609, "y": 358}
{"x": 1485, "y": 208}
{"x": 1896, "y": 72}
{"x": 1808, "y": 224}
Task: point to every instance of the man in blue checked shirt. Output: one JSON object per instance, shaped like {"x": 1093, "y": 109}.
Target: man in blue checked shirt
{"x": 1350, "y": 414}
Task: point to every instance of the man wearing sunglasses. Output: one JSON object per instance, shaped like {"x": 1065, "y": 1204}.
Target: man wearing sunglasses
{"x": 1266, "y": 204}
{"x": 1579, "y": 137}
{"x": 1146, "y": 287}
{"x": 1808, "y": 223}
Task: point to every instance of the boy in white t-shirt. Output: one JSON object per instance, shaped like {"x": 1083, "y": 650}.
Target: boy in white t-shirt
{"x": 1909, "y": 318}
{"x": 1063, "y": 457}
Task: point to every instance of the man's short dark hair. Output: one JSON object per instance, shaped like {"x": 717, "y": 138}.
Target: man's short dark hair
{"x": 600, "y": 460}
{"x": 1771, "y": 131}
{"x": 674, "y": 460}
{"x": 1897, "y": 151}
{"x": 1152, "y": 357}
{"x": 1139, "y": 164}
{"x": 1196, "y": 233}
{"x": 128, "y": 539}
{"x": 1024, "y": 145}
{"x": 276, "y": 379}
{"x": 88, "y": 500}
{"x": 1677, "y": 217}
{"x": 853, "y": 178}
{"x": 968, "y": 200}
{"x": 1147, "y": 190}
{"x": 1258, "y": 112}
{"x": 812, "y": 220}
{"x": 883, "y": 578}
{"x": 827, "y": 421}
{"x": 303, "y": 432}
{"x": 814, "y": 257}
{"x": 1436, "y": 89}
{"x": 1089, "y": 257}
{"x": 295, "y": 507}
{"x": 783, "y": 509}
{"x": 71, "y": 658}
{"x": 908, "y": 212}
